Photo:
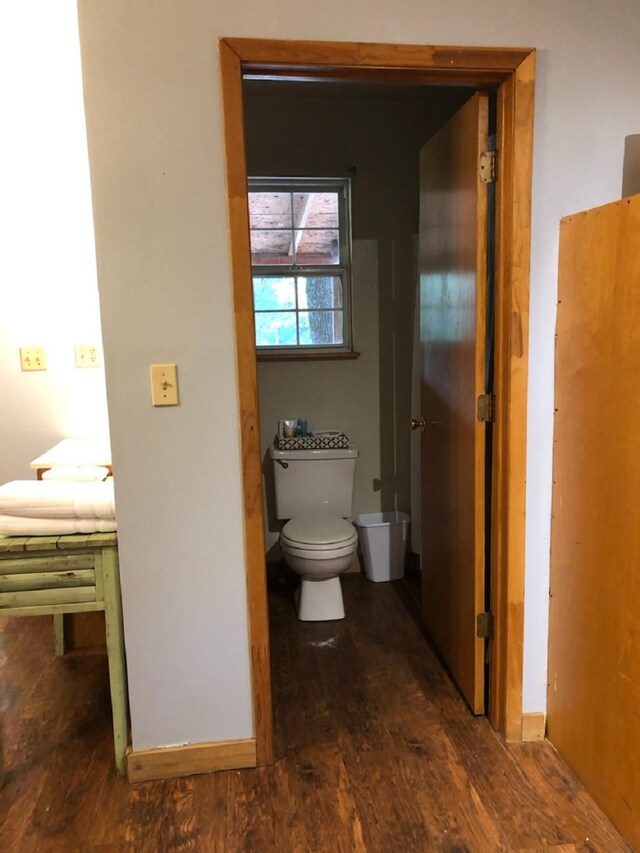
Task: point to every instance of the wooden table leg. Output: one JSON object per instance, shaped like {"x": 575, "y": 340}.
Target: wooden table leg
{"x": 58, "y": 628}
{"x": 115, "y": 651}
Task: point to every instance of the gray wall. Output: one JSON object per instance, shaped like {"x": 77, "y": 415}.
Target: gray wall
{"x": 373, "y": 134}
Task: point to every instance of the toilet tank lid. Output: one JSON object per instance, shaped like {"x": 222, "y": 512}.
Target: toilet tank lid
{"x": 350, "y": 452}
{"x": 319, "y": 530}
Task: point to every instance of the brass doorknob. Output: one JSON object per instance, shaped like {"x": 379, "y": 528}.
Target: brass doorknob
{"x": 418, "y": 423}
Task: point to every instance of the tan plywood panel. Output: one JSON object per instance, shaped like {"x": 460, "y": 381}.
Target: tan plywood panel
{"x": 594, "y": 644}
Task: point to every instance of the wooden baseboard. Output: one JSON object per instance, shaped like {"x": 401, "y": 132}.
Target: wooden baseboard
{"x": 190, "y": 759}
{"x": 533, "y": 726}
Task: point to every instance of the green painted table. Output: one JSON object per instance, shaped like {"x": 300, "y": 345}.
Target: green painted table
{"x": 44, "y": 575}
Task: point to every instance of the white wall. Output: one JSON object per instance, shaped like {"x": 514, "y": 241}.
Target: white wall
{"x": 375, "y": 135}
{"x": 155, "y": 131}
{"x": 48, "y": 286}
{"x": 153, "y": 116}
{"x": 333, "y": 394}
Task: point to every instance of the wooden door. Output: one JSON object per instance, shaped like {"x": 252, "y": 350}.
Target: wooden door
{"x": 594, "y": 618}
{"x": 453, "y": 269}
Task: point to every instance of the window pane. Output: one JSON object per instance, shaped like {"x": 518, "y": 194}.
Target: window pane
{"x": 321, "y": 327}
{"x": 315, "y": 210}
{"x": 270, "y": 293}
{"x": 271, "y": 247}
{"x": 316, "y": 292}
{"x": 301, "y": 261}
{"x": 276, "y": 329}
{"x": 317, "y": 247}
{"x": 270, "y": 210}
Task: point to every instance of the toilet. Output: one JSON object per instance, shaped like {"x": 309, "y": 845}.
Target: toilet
{"x": 314, "y": 491}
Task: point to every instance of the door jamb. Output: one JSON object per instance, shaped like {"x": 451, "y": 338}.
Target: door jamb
{"x": 513, "y": 71}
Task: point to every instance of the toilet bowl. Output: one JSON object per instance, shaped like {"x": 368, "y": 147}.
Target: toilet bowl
{"x": 313, "y": 494}
{"x": 319, "y": 548}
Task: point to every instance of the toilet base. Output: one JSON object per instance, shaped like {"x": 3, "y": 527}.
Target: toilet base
{"x": 319, "y": 600}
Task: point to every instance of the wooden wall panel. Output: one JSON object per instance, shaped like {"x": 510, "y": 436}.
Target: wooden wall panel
{"x": 594, "y": 642}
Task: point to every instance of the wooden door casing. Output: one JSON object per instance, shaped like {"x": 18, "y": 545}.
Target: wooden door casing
{"x": 513, "y": 72}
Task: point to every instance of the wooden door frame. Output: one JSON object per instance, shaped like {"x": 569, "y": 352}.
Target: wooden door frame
{"x": 512, "y": 71}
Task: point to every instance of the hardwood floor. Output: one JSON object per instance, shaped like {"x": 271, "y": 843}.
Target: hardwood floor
{"x": 376, "y": 752}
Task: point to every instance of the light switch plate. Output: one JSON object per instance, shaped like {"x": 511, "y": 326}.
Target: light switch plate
{"x": 33, "y": 358}
{"x": 164, "y": 384}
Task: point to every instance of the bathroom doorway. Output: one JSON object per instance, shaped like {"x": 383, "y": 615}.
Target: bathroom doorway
{"x": 510, "y": 75}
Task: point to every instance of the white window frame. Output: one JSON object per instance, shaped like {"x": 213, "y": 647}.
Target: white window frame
{"x": 342, "y": 270}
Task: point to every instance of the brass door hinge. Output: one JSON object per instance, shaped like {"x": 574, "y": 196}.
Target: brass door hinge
{"x": 484, "y": 625}
{"x": 486, "y": 407}
{"x": 488, "y": 167}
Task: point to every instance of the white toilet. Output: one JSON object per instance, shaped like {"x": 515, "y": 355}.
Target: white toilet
{"x": 314, "y": 489}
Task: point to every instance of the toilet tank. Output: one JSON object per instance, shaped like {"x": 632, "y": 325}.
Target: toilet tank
{"x": 308, "y": 481}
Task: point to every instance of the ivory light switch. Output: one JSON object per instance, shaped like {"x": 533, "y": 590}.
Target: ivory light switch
{"x": 164, "y": 385}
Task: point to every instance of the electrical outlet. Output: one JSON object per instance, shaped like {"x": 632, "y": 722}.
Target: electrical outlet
{"x": 87, "y": 355}
{"x": 164, "y": 385}
{"x": 32, "y": 358}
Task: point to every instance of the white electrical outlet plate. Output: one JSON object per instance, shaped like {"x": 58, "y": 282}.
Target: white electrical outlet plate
{"x": 164, "y": 384}
{"x": 88, "y": 355}
{"x": 33, "y": 358}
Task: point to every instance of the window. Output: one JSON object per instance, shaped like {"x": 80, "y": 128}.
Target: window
{"x": 301, "y": 258}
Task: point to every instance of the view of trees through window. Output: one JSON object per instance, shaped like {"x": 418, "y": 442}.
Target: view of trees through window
{"x": 299, "y": 265}
{"x": 298, "y": 311}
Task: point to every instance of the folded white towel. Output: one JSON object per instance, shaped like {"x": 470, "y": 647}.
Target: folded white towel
{"x": 80, "y": 475}
{"x": 57, "y": 499}
{"x": 20, "y": 525}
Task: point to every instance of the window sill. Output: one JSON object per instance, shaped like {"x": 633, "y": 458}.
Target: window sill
{"x": 307, "y": 356}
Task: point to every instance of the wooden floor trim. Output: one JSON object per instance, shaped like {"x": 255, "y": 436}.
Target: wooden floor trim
{"x": 513, "y": 71}
{"x": 534, "y": 725}
{"x": 190, "y": 759}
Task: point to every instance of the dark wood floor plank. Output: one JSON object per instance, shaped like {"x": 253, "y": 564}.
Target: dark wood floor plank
{"x": 375, "y": 751}
{"x": 351, "y": 680}
{"x": 479, "y": 748}
{"x": 427, "y": 776}
{"x": 211, "y": 798}
{"x": 31, "y": 736}
{"x": 589, "y": 828}
{"x": 317, "y": 782}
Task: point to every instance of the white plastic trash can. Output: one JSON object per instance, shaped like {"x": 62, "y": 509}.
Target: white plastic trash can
{"x": 383, "y": 539}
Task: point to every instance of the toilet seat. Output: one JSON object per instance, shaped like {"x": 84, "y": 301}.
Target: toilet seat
{"x": 319, "y": 533}
{"x": 318, "y": 550}
{"x": 318, "y": 555}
